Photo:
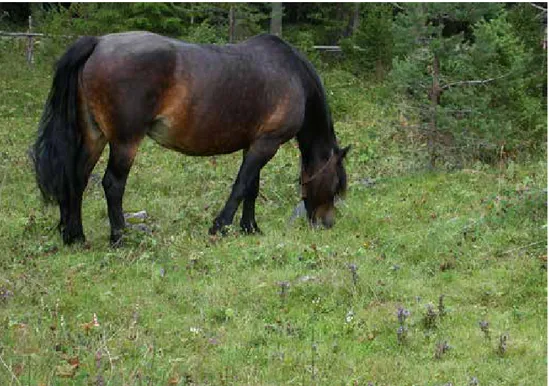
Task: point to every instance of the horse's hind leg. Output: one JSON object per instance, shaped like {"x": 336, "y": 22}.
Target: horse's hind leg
{"x": 71, "y": 207}
{"x": 248, "y": 177}
{"x": 247, "y": 222}
{"x": 71, "y": 218}
{"x": 121, "y": 158}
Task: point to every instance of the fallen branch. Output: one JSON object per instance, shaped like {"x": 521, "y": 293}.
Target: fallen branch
{"x": 335, "y": 48}
{"x": 21, "y": 34}
{"x": 328, "y": 48}
{"x": 33, "y": 34}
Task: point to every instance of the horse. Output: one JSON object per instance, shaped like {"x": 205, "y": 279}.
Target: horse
{"x": 199, "y": 100}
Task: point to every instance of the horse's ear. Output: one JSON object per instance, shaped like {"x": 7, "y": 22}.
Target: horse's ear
{"x": 343, "y": 152}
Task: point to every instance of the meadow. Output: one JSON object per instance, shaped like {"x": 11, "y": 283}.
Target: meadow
{"x": 428, "y": 277}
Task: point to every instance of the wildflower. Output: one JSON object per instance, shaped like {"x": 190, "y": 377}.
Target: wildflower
{"x": 402, "y": 314}
{"x": 429, "y": 319}
{"x": 284, "y": 285}
{"x": 5, "y": 293}
{"x": 350, "y": 316}
{"x": 502, "y": 347}
{"x": 353, "y": 268}
{"x": 441, "y": 348}
{"x": 402, "y": 333}
{"x": 95, "y": 321}
{"x": 485, "y": 328}
{"x": 441, "y": 307}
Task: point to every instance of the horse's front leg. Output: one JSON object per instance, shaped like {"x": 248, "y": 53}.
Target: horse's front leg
{"x": 246, "y": 185}
{"x": 247, "y": 222}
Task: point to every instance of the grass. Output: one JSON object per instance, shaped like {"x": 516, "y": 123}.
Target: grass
{"x": 293, "y": 306}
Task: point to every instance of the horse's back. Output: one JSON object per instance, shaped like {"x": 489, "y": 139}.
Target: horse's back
{"x": 197, "y": 99}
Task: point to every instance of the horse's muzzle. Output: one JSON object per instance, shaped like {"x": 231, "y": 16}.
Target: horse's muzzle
{"x": 325, "y": 216}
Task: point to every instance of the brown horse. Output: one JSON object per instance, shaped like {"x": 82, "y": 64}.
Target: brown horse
{"x": 196, "y": 99}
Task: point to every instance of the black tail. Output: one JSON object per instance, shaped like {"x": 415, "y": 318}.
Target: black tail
{"x": 58, "y": 147}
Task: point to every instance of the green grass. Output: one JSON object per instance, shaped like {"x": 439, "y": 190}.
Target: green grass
{"x": 178, "y": 307}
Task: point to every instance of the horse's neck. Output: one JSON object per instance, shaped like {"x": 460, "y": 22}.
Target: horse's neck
{"x": 316, "y": 148}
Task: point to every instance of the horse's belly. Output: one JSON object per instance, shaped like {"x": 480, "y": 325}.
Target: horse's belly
{"x": 196, "y": 140}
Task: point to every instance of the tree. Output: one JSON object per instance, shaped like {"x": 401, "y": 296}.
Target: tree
{"x": 370, "y": 46}
{"x": 464, "y": 71}
{"x": 276, "y": 19}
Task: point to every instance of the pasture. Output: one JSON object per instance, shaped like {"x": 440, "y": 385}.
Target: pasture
{"x": 462, "y": 254}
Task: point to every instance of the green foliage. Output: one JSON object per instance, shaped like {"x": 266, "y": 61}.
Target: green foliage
{"x": 204, "y": 33}
{"x": 369, "y": 49}
{"x": 330, "y": 21}
{"x": 485, "y": 105}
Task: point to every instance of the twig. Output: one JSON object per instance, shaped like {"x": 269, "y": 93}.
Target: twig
{"x": 523, "y": 247}
{"x": 108, "y": 355}
{"x": 9, "y": 370}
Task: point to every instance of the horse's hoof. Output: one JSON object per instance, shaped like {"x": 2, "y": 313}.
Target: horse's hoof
{"x": 116, "y": 240}
{"x": 69, "y": 239}
{"x": 218, "y": 226}
{"x": 250, "y": 228}
{"x": 215, "y": 230}
{"x": 115, "y": 244}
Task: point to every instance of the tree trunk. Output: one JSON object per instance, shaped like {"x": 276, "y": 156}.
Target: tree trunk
{"x": 231, "y": 25}
{"x": 30, "y": 44}
{"x": 435, "y": 99}
{"x": 276, "y": 19}
{"x": 356, "y": 18}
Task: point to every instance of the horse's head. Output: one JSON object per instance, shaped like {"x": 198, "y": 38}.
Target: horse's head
{"x": 321, "y": 185}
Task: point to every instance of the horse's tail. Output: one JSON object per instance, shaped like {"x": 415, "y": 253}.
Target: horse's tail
{"x": 59, "y": 145}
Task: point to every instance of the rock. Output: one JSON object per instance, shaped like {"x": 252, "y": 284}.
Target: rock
{"x": 367, "y": 182}
{"x": 141, "y": 228}
{"x": 136, "y": 217}
{"x": 299, "y": 211}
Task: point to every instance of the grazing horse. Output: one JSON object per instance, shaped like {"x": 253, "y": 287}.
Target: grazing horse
{"x": 199, "y": 100}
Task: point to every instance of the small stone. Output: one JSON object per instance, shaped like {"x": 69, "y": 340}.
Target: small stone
{"x": 299, "y": 211}
{"x": 136, "y": 217}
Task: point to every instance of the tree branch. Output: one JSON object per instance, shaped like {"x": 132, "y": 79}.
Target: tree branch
{"x": 472, "y": 82}
{"x": 538, "y": 7}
